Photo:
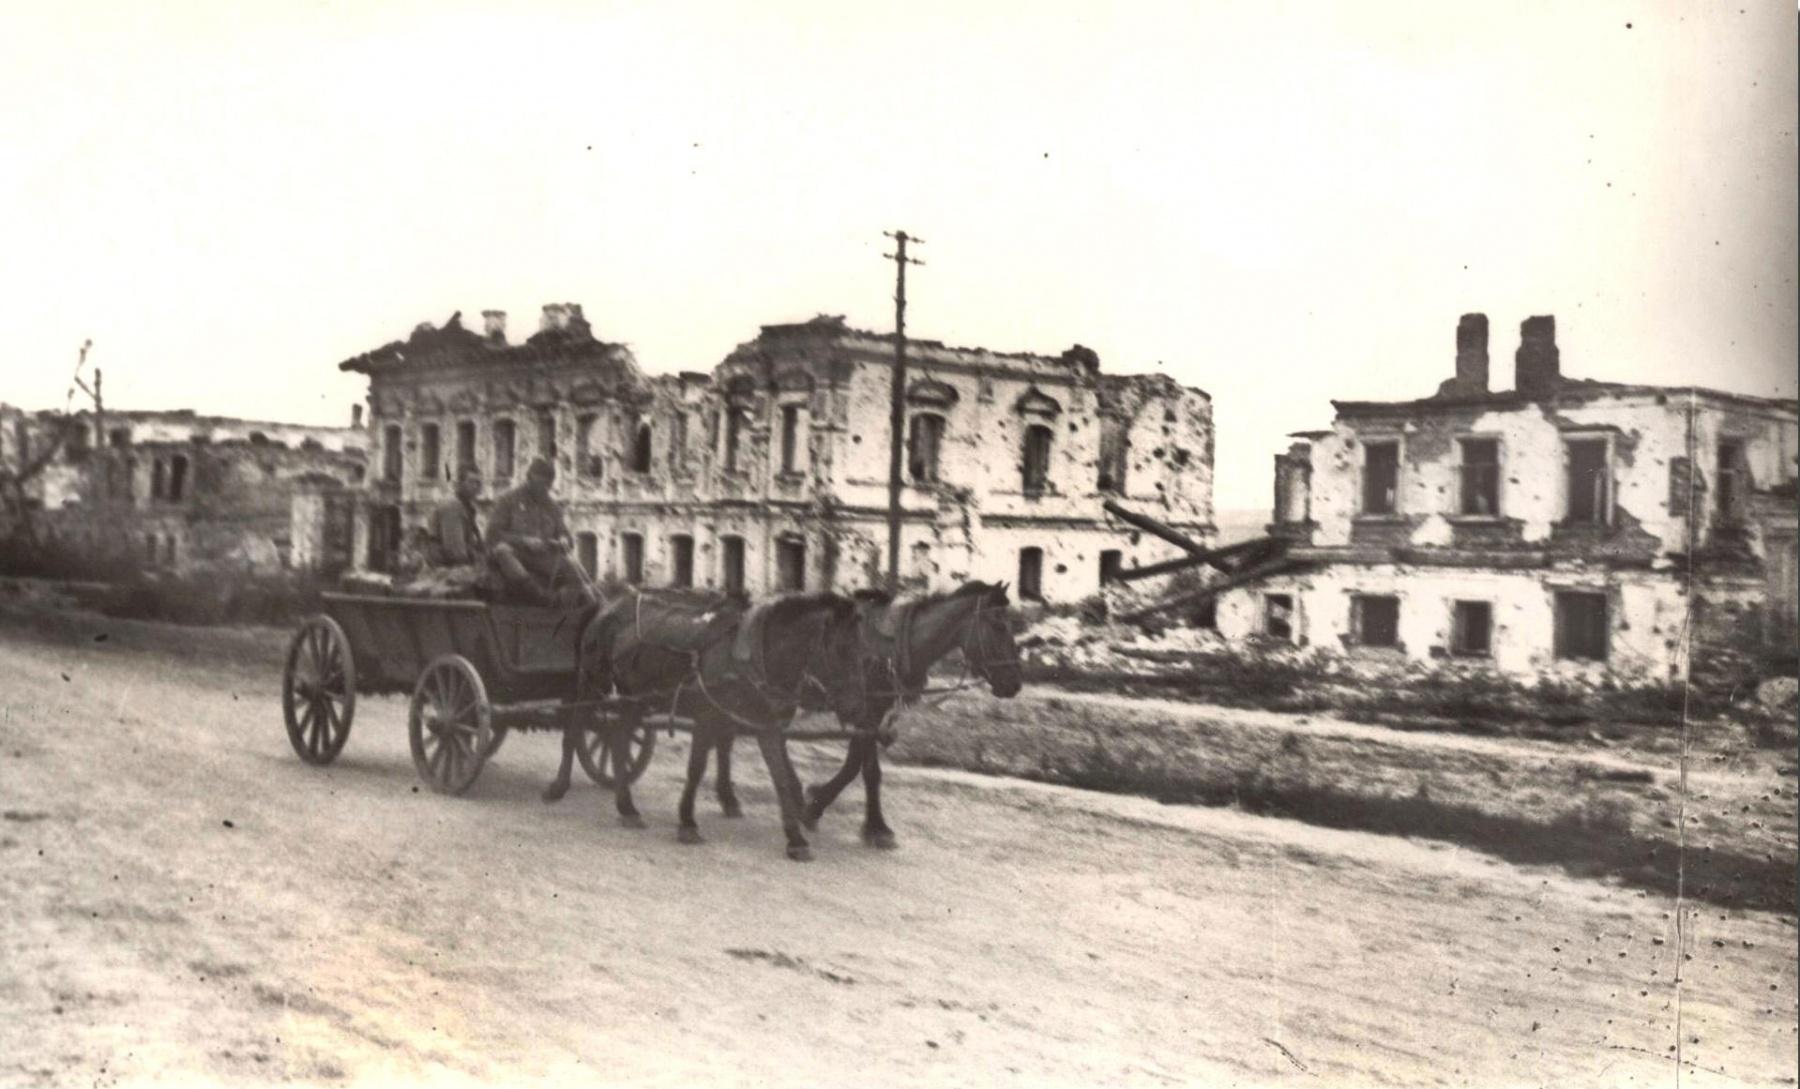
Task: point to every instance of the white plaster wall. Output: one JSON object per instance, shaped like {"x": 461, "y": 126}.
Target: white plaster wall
{"x": 1645, "y": 613}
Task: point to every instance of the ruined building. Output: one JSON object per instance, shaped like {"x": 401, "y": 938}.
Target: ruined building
{"x": 177, "y": 490}
{"x": 1565, "y": 526}
{"x": 770, "y": 473}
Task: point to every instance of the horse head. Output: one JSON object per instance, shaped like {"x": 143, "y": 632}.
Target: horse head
{"x": 987, "y": 639}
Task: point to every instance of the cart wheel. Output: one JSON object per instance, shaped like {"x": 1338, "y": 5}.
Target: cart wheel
{"x": 450, "y": 724}
{"x": 318, "y": 690}
{"x": 599, "y": 759}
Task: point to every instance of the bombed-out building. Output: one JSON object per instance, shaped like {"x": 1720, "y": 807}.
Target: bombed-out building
{"x": 770, "y": 472}
{"x": 1565, "y": 526}
{"x": 178, "y": 490}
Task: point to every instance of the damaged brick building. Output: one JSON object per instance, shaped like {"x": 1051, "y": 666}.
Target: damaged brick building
{"x": 769, "y": 473}
{"x": 1553, "y": 529}
{"x": 177, "y": 490}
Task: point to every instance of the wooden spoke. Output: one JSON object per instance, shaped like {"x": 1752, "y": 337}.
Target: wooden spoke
{"x": 318, "y": 690}
{"x": 450, "y": 724}
{"x": 598, "y": 751}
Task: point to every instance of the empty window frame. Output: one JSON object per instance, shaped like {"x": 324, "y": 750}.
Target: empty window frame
{"x": 734, "y": 429}
{"x": 1278, "y": 616}
{"x": 923, "y": 447}
{"x": 393, "y": 456}
{"x": 1111, "y": 563}
{"x": 1581, "y": 625}
{"x": 1038, "y": 441}
{"x": 632, "y": 552}
{"x": 1375, "y": 620}
{"x": 1115, "y": 449}
{"x": 429, "y": 452}
{"x": 1472, "y": 629}
{"x": 790, "y": 438}
{"x": 465, "y": 445}
{"x": 178, "y": 469}
{"x": 546, "y": 436}
{"x": 587, "y": 550}
{"x": 790, "y": 565}
{"x": 1381, "y": 477}
{"x": 1734, "y": 481}
{"x": 587, "y": 461}
{"x": 1480, "y": 476}
{"x": 681, "y": 560}
{"x": 1031, "y": 574}
{"x": 506, "y": 436}
{"x": 1589, "y": 481}
{"x": 641, "y": 439}
{"x": 731, "y": 564}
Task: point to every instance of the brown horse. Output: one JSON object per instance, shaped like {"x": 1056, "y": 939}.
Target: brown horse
{"x": 901, "y": 642}
{"x": 726, "y": 671}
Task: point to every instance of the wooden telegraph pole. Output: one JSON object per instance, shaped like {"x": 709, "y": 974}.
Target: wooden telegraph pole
{"x": 897, "y": 404}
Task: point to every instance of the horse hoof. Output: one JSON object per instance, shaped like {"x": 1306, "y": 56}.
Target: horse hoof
{"x": 802, "y": 853}
{"x": 631, "y": 820}
{"x": 689, "y": 835}
{"x": 554, "y": 792}
{"x": 731, "y": 810}
{"x": 883, "y": 839}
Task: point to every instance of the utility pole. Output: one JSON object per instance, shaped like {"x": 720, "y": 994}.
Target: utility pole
{"x": 897, "y": 403}
{"x": 99, "y": 404}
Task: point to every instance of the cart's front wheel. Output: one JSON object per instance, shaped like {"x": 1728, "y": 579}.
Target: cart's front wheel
{"x": 450, "y": 724}
{"x": 598, "y": 750}
{"x": 318, "y": 690}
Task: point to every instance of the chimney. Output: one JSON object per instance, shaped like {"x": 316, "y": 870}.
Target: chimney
{"x": 356, "y": 416}
{"x": 1471, "y": 358}
{"x": 1538, "y": 364}
{"x": 494, "y": 324}
{"x": 556, "y": 316}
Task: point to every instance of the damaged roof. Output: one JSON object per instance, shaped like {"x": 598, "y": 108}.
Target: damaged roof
{"x": 451, "y": 345}
{"x": 1567, "y": 391}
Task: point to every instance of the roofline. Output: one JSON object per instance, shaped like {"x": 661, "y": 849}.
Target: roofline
{"x": 1571, "y": 391}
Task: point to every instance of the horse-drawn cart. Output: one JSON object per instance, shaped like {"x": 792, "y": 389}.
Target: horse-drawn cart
{"x": 475, "y": 672}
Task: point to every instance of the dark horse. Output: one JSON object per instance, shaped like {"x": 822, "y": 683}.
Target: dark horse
{"x": 725, "y": 670}
{"x": 901, "y": 642}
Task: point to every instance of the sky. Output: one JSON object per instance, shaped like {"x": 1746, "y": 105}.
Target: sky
{"x": 1280, "y": 204}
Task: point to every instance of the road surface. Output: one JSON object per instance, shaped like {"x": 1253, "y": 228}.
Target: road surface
{"x": 187, "y": 903}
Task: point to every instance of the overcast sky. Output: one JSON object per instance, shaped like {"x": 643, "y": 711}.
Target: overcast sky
{"x": 1280, "y": 204}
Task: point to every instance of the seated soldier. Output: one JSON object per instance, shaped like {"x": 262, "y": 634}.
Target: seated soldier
{"x": 528, "y": 542}
{"x": 454, "y": 557}
{"x": 454, "y": 536}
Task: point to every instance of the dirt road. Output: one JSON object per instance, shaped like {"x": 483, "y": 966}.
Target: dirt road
{"x": 185, "y": 902}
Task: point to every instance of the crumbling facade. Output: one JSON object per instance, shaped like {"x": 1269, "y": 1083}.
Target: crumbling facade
{"x": 1563, "y": 527}
{"x": 176, "y": 490}
{"x": 770, "y": 473}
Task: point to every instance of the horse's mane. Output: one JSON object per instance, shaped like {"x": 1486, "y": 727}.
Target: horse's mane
{"x": 993, "y": 593}
{"x": 790, "y": 608}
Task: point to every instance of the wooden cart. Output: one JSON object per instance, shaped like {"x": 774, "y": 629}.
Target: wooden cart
{"x": 475, "y": 672}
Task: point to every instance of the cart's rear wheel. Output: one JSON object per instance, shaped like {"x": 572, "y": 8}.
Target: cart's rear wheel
{"x": 599, "y": 757}
{"x": 450, "y": 724}
{"x": 318, "y": 690}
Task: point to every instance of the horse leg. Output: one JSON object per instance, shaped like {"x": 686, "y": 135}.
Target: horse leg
{"x": 728, "y": 801}
{"x": 560, "y": 785}
{"x": 875, "y": 831}
{"x": 621, "y": 742}
{"x": 775, "y": 756}
{"x": 696, "y": 771}
{"x": 819, "y": 798}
